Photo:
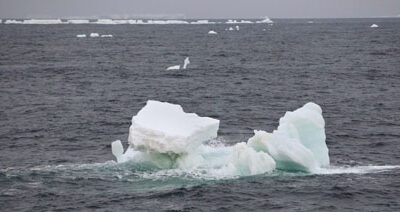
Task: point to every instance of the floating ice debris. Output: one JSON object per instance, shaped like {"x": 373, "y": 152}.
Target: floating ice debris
{"x": 104, "y": 21}
{"x": 165, "y": 128}
{"x": 186, "y": 62}
{"x": 310, "y": 22}
{"x": 78, "y": 21}
{"x": 237, "y": 28}
{"x": 176, "y": 67}
{"x": 266, "y": 20}
{"x": 81, "y": 36}
{"x": 94, "y": 35}
{"x": 374, "y": 26}
{"x": 43, "y": 21}
{"x": 299, "y": 141}
{"x": 212, "y": 32}
{"x": 167, "y": 22}
{"x": 106, "y": 36}
{"x": 230, "y": 29}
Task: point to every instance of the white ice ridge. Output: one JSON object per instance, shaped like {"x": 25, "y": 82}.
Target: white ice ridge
{"x": 163, "y": 136}
{"x": 165, "y": 128}
{"x": 374, "y": 26}
{"x": 212, "y": 32}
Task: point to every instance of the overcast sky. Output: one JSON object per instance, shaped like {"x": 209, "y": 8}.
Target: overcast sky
{"x": 199, "y": 8}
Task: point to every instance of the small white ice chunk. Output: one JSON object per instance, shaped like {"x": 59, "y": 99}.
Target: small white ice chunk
{"x": 106, "y": 36}
{"x": 374, "y": 26}
{"x": 117, "y": 149}
{"x": 165, "y": 128}
{"x": 94, "y": 35}
{"x": 212, "y": 32}
{"x": 237, "y": 28}
{"x": 186, "y": 62}
{"x": 81, "y": 36}
{"x": 177, "y": 67}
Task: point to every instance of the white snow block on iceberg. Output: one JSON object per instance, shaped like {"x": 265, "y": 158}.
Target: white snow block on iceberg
{"x": 165, "y": 128}
{"x": 299, "y": 141}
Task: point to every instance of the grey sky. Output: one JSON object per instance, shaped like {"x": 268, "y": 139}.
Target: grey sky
{"x": 199, "y": 8}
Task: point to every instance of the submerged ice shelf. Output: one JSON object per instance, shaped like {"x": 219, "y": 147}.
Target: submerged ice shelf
{"x": 163, "y": 136}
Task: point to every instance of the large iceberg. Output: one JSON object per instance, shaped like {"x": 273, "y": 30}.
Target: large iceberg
{"x": 43, "y": 21}
{"x": 165, "y": 128}
{"x": 266, "y": 20}
{"x": 78, "y": 21}
{"x": 163, "y": 136}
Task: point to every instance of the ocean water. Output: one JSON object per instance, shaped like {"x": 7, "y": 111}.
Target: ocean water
{"x": 63, "y": 100}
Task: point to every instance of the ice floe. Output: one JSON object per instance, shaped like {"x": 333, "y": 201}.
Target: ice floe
{"x": 212, "y": 32}
{"x": 374, "y": 26}
{"x": 266, "y": 20}
{"x": 94, "y": 35}
{"x": 78, "y": 21}
{"x": 81, "y": 36}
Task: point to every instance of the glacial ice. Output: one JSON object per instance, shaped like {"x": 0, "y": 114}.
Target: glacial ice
{"x": 299, "y": 141}
{"x": 238, "y": 22}
{"x": 163, "y": 136}
{"x": 230, "y": 29}
{"x": 165, "y": 128}
{"x": 237, "y": 28}
{"x": 212, "y": 32}
{"x": 81, "y": 36}
{"x": 13, "y": 21}
{"x": 202, "y": 22}
{"x": 374, "y": 26}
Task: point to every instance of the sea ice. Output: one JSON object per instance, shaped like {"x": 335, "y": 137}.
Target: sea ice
{"x": 186, "y": 62}
{"x": 237, "y": 28}
{"x": 374, "y": 26}
{"x": 13, "y": 21}
{"x": 266, "y": 20}
{"x": 165, "y": 128}
{"x": 299, "y": 141}
{"x": 106, "y": 36}
{"x": 81, "y": 36}
{"x": 78, "y": 21}
{"x": 104, "y": 21}
{"x": 94, "y": 35}
{"x": 212, "y": 32}
{"x": 43, "y": 21}
{"x": 230, "y": 29}
{"x": 177, "y": 67}
{"x": 202, "y": 22}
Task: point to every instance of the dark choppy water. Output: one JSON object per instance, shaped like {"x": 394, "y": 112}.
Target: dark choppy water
{"x": 64, "y": 99}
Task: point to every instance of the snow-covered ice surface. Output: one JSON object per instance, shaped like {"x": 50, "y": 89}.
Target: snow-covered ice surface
{"x": 43, "y": 21}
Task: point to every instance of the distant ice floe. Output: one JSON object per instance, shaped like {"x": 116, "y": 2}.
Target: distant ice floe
{"x": 94, "y": 35}
{"x": 43, "y": 21}
{"x": 212, "y": 32}
{"x": 266, "y": 20}
{"x": 106, "y": 36}
{"x": 202, "y": 22}
{"x": 374, "y": 26}
{"x": 78, "y": 21}
{"x": 13, "y": 21}
{"x": 186, "y": 62}
{"x": 230, "y": 29}
{"x": 237, "y": 28}
{"x": 238, "y": 22}
{"x": 81, "y": 36}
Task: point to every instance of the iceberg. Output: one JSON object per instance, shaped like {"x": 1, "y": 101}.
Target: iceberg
{"x": 266, "y": 20}
{"x": 237, "y": 28}
{"x": 81, "y": 36}
{"x": 238, "y": 22}
{"x": 374, "y": 26}
{"x": 104, "y": 21}
{"x": 212, "y": 32}
{"x": 230, "y": 29}
{"x": 165, "y": 128}
{"x": 163, "y": 136}
{"x": 299, "y": 141}
{"x": 94, "y": 35}
{"x": 78, "y": 21}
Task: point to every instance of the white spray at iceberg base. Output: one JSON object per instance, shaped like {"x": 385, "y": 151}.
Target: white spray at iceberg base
{"x": 163, "y": 136}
